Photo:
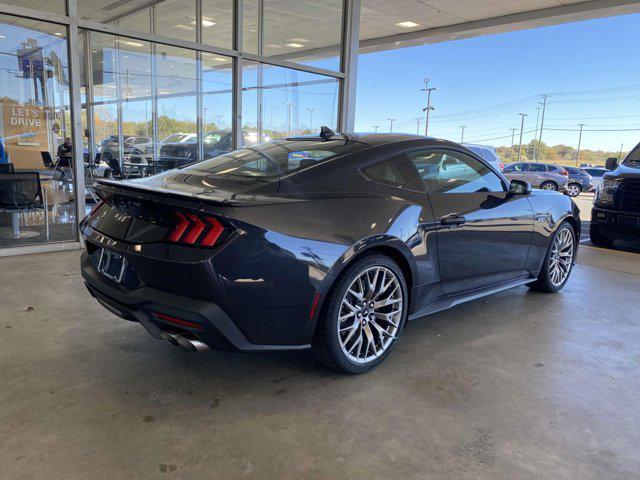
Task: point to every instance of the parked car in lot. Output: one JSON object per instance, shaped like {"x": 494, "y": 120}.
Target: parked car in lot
{"x": 487, "y": 152}
{"x": 616, "y": 205}
{"x": 579, "y": 181}
{"x": 596, "y": 175}
{"x": 133, "y": 160}
{"x": 539, "y": 175}
{"x": 330, "y": 242}
{"x": 185, "y": 151}
{"x": 180, "y": 153}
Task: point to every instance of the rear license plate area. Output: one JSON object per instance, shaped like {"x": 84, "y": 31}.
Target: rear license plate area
{"x": 110, "y": 264}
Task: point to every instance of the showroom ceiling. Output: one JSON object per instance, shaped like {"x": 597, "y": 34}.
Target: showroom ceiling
{"x": 384, "y": 24}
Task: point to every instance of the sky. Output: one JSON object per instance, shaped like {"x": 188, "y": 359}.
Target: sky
{"x": 590, "y": 68}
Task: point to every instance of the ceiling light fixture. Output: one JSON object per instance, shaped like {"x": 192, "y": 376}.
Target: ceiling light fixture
{"x": 295, "y": 45}
{"x": 407, "y": 24}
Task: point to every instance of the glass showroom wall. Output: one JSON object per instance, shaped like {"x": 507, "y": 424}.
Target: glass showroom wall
{"x": 37, "y": 195}
{"x": 148, "y": 87}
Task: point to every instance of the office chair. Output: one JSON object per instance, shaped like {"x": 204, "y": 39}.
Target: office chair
{"x": 21, "y": 192}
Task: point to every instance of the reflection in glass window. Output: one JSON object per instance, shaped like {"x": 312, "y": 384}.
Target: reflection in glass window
{"x": 177, "y": 109}
{"x": 138, "y": 22}
{"x": 217, "y": 23}
{"x": 454, "y": 172}
{"x": 217, "y": 101}
{"x": 176, "y": 19}
{"x": 304, "y": 31}
{"x": 37, "y": 183}
{"x": 279, "y": 102}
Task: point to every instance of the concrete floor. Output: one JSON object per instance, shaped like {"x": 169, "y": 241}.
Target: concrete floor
{"x": 515, "y": 386}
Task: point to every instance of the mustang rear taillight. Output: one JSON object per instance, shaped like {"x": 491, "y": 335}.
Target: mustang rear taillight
{"x": 195, "y": 229}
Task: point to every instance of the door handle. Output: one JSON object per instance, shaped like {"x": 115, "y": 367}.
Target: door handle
{"x": 452, "y": 220}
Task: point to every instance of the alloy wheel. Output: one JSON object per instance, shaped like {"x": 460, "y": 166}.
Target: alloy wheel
{"x": 370, "y": 314}
{"x": 548, "y": 186}
{"x": 573, "y": 190}
{"x": 561, "y": 257}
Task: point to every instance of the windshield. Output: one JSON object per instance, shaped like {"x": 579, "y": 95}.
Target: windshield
{"x": 175, "y": 137}
{"x": 272, "y": 160}
{"x": 633, "y": 158}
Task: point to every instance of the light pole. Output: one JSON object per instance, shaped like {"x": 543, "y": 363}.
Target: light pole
{"x": 391, "y": 120}
{"x": 418, "y": 120}
{"x": 428, "y": 108}
{"x": 375, "y": 128}
{"x": 513, "y": 132}
{"x": 462, "y": 127}
{"x": 535, "y": 135}
{"x": 545, "y": 97}
{"x": 311, "y": 110}
{"x": 522, "y": 115}
{"x": 288, "y": 105}
{"x": 620, "y": 154}
{"x": 579, "y": 142}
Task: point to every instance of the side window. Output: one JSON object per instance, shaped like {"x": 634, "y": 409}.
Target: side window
{"x": 394, "y": 172}
{"x": 537, "y": 168}
{"x": 514, "y": 168}
{"x": 454, "y": 172}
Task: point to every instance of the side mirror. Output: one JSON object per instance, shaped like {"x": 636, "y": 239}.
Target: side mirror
{"x": 611, "y": 163}
{"x": 519, "y": 187}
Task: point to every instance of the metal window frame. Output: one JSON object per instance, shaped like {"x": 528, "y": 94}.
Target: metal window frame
{"x": 74, "y": 25}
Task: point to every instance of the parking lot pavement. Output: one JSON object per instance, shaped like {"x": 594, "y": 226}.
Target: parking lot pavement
{"x": 517, "y": 385}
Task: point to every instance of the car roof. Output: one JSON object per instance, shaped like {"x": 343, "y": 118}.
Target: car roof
{"x": 379, "y": 139}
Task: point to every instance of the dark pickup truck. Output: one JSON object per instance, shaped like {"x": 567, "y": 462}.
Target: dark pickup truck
{"x": 616, "y": 206}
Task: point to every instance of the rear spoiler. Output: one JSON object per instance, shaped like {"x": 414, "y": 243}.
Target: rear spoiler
{"x": 146, "y": 191}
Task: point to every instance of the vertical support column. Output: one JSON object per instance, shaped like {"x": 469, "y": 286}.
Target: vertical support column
{"x": 152, "y": 169}
{"x": 76, "y": 110}
{"x": 260, "y": 75}
{"x": 88, "y": 63}
{"x": 199, "y": 73}
{"x": 349, "y": 65}
{"x": 237, "y": 74}
{"x": 119, "y": 119}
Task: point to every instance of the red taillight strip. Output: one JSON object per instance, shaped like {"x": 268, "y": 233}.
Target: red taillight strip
{"x": 213, "y": 233}
{"x": 177, "y": 321}
{"x": 179, "y": 229}
{"x": 195, "y": 230}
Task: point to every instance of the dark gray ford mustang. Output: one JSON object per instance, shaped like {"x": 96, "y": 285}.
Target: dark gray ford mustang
{"x": 328, "y": 242}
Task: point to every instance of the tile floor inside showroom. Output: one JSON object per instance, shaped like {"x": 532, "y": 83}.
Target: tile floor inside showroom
{"x": 515, "y": 386}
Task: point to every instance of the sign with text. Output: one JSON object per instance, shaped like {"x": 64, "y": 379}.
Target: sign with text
{"x": 26, "y": 134}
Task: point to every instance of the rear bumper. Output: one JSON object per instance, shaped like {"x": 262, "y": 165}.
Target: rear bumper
{"x": 615, "y": 224}
{"x": 160, "y": 311}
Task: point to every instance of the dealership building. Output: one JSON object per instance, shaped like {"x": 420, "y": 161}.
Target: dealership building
{"x": 141, "y": 86}
{"x": 235, "y": 318}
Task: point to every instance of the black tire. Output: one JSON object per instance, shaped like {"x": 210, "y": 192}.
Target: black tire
{"x": 577, "y": 190}
{"x": 598, "y": 239}
{"x": 549, "y": 186}
{"x": 544, "y": 282}
{"x": 326, "y": 345}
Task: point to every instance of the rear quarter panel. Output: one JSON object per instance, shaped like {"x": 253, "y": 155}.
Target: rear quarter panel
{"x": 550, "y": 209}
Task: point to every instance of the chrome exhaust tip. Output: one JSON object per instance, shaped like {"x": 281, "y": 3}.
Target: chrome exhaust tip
{"x": 172, "y": 338}
{"x": 191, "y": 343}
